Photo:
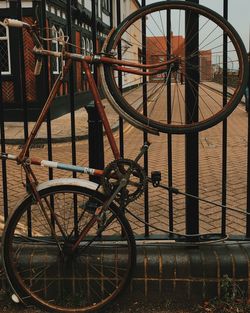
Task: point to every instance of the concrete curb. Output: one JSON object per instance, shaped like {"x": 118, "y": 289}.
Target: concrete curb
{"x": 192, "y": 273}
{"x": 43, "y": 140}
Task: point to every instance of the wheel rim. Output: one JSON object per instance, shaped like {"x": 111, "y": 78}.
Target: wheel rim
{"x": 166, "y": 105}
{"x": 80, "y": 282}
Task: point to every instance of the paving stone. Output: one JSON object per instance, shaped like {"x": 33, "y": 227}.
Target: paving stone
{"x": 210, "y": 149}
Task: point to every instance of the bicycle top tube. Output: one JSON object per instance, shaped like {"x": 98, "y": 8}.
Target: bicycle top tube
{"x": 102, "y": 58}
{"x": 96, "y": 58}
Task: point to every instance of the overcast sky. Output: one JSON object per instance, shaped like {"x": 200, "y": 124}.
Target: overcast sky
{"x": 238, "y": 15}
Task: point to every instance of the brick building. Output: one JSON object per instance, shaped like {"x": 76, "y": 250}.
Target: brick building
{"x": 156, "y": 53}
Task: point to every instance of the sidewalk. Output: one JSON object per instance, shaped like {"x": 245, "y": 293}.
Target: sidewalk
{"x": 61, "y": 127}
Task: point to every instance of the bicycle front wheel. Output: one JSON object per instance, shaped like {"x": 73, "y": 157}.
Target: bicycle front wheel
{"x": 38, "y": 257}
{"x": 198, "y": 90}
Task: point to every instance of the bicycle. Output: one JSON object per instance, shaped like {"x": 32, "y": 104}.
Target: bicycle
{"x": 68, "y": 246}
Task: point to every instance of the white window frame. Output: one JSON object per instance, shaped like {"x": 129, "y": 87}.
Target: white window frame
{"x": 83, "y": 46}
{"x": 4, "y": 4}
{"x": 91, "y": 47}
{"x": 87, "y": 46}
{"x": 7, "y": 39}
{"x": 106, "y": 5}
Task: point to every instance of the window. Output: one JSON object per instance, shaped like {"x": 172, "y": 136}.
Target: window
{"x": 87, "y": 46}
{"x": 61, "y": 35}
{"x": 5, "y": 65}
{"x": 83, "y": 46}
{"x": 87, "y": 49}
{"x": 4, "y": 4}
{"x": 91, "y": 50}
{"x": 106, "y": 5}
{"x": 56, "y": 46}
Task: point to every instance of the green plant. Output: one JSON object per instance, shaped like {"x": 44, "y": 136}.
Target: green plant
{"x": 231, "y": 300}
{"x": 229, "y": 290}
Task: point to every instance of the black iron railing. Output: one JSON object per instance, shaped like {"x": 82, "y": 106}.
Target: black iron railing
{"x": 190, "y": 158}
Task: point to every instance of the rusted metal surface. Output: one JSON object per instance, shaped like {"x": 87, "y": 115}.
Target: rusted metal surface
{"x": 184, "y": 272}
{"x": 190, "y": 273}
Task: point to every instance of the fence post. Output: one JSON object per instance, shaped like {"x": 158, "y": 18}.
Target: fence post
{"x": 4, "y": 168}
{"x": 120, "y": 82}
{"x": 169, "y": 136}
{"x": 71, "y": 89}
{"x": 96, "y": 149}
{"x": 248, "y": 157}
{"x": 224, "y": 126}
{"x": 192, "y": 140}
{"x": 145, "y": 112}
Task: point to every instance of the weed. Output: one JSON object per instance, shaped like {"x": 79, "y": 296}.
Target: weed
{"x": 232, "y": 300}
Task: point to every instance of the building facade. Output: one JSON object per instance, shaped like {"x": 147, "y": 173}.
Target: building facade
{"x": 87, "y": 32}
{"x": 156, "y": 53}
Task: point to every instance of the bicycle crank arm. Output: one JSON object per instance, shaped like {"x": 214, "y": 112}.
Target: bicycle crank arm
{"x": 122, "y": 184}
{"x": 98, "y": 211}
{"x": 144, "y": 148}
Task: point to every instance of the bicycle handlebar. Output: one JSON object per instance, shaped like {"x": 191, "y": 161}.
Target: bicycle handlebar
{"x": 32, "y": 30}
{"x": 15, "y": 23}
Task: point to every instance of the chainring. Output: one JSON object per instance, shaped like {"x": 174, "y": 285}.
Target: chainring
{"x": 124, "y": 168}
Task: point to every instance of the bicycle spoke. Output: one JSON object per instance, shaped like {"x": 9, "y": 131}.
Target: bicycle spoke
{"x": 87, "y": 276}
{"x": 196, "y": 46}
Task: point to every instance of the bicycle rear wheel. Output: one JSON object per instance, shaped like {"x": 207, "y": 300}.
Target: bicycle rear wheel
{"x": 199, "y": 89}
{"x": 41, "y": 266}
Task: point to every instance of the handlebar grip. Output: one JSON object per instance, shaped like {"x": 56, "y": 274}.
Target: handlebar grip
{"x": 38, "y": 66}
{"x": 15, "y": 23}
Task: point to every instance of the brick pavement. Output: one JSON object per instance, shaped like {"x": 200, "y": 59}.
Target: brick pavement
{"x": 210, "y": 147}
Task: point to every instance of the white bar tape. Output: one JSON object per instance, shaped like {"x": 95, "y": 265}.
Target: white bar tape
{"x": 46, "y": 163}
{"x": 11, "y": 156}
{"x": 14, "y": 23}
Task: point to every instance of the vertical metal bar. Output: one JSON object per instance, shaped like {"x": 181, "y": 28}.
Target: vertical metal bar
{"x": 72, "y": 112}
{"x": 46, "y": 88}
{"x": 22, "y": 90}
{"x": 71, "y": 89}
{"x": 44, "y": 95}
{"x": 192, "y": 140}
{"x": 224, "y": 126}
{"x": 145, "y": 112}
{"x": 22, "y": 77}
{"x": 248, "y": 158}
{"x": 111, "y": 14}
{"x": 96, "y": 149}
{"x": 4, "y": 169}
{"x": 100, "y": 109}
{"x": 169, "y": 136}
{"x": 121, "y": 126}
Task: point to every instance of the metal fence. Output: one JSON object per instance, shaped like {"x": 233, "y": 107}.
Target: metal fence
{"x": 213, "y": 165}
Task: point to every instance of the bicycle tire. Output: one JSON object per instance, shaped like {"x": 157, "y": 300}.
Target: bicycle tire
{"x": 85, "y": 281}
{"x": 178, "y": 118}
